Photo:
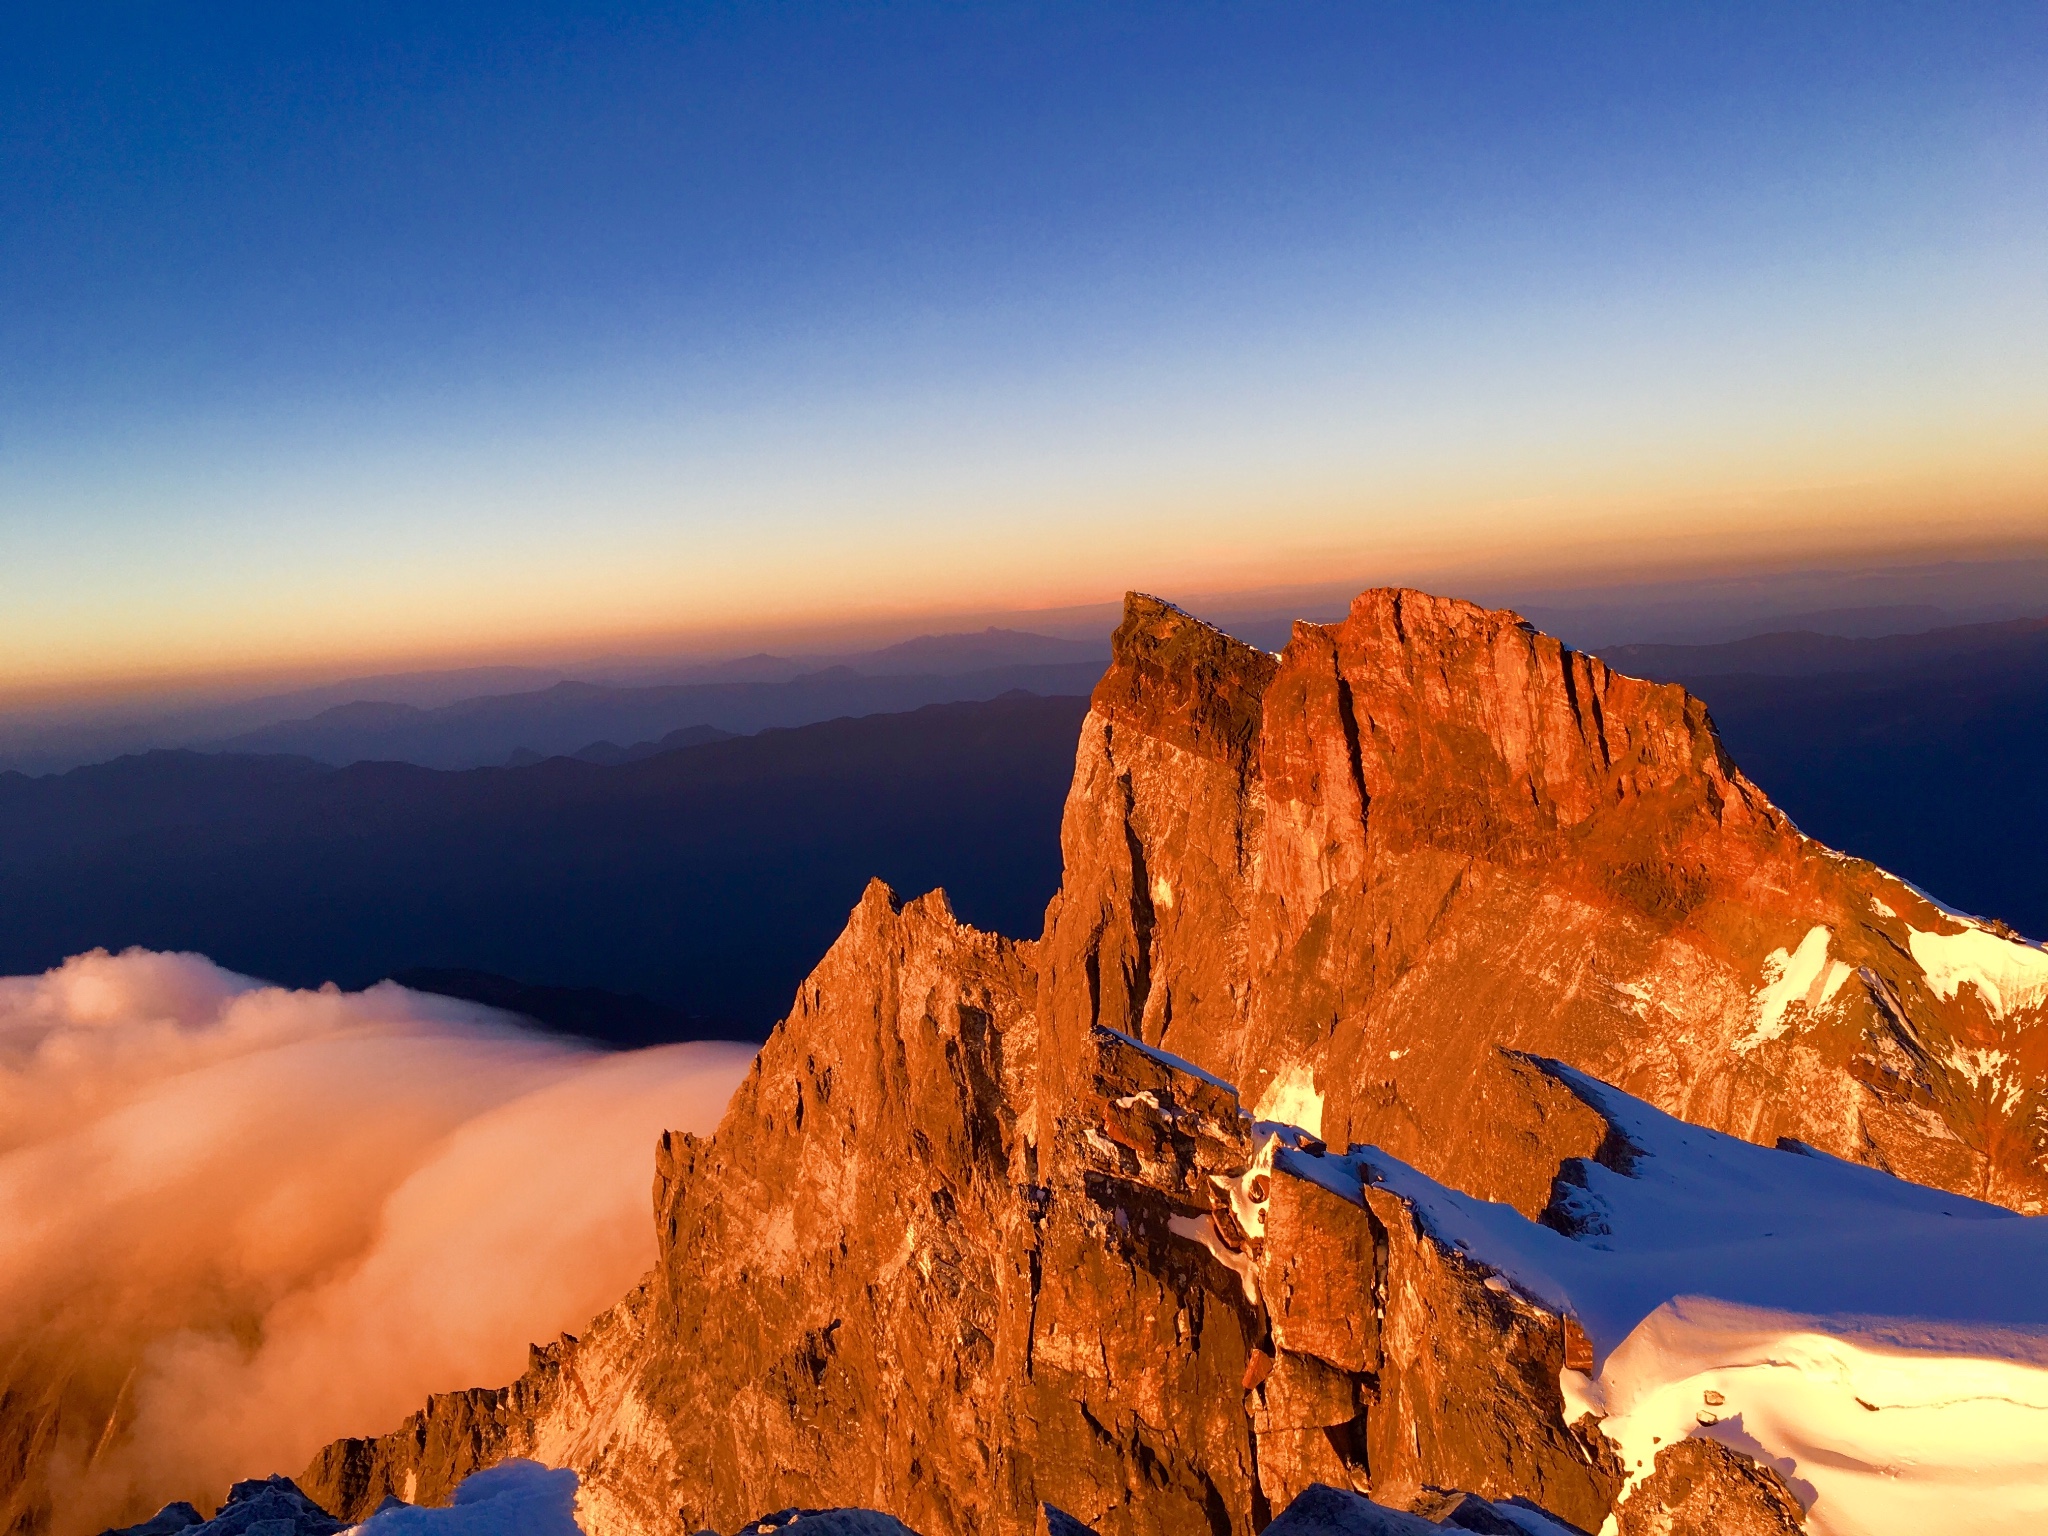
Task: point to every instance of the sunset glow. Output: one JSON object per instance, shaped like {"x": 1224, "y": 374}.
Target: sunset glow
{"x": 989, "y": 768}
{"x": 364, "y": 368}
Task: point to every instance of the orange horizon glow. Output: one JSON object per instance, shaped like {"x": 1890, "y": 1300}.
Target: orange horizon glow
{"x": 467, "y": 562}
{"x": 1198, "y": 304}
{"x": 1606, "y": 553}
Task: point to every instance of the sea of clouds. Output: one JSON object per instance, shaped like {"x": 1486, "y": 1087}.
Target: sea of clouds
{"x": 238, "y": 1221}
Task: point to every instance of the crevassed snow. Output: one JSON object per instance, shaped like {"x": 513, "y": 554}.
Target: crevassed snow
{"x": 1804, "y": 975}
{"x": 1291, "y": 1099}
{"x": 514, "y": 1498}
{"x": 1800, "y": 1289}
{"x": 2009, "y": 974}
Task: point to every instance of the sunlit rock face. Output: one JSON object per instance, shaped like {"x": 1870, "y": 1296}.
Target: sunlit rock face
{"x": 991, "y": 1230}
{"x": 1340, "y": 876}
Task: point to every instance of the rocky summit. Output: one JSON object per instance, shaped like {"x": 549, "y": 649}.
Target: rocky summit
{"x": 1180, "y": 1212}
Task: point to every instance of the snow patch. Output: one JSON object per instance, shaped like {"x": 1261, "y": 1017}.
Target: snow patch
{"x": 1987, "y": 1067}
{"x": 1582, "y": 1395}
{"x": 1882, "y": 1344}
{"x": 1339, "y": 1175}
{"x": 1870, "y": 1436}
{"x": 1168, "y": 1059}
{"x": 514, "y": 1498}
{"x": 1291, "y": 1099}
{"x": 1200, "y": 1229}
{"x": 2011, "y": 976}
{"x": 1235, "y": 1230}
{"x": 1162, "y": 892}
{"x": 1532, "y": 1522}
{"x": 1878, "y": 905}
{"x": 1804, "y": 975}
{"x": 1941, "y": 906}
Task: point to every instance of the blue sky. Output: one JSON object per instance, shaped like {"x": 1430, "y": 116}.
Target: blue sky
{"x": 419, "y": 331}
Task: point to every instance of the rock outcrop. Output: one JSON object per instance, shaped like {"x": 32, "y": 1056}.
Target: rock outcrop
{"x": 988, "y": 1229}
{"x": 1191, "y": 1323}
{"x": 173, "y": 1517}
{"x": 267, "y": 1506}
{"x": 1339, "y": 877}
{"x": 825, "y": 1522}
{"x": 1704, "y": 1488}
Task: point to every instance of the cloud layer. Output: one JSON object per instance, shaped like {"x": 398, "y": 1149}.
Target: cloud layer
{"x": 243, "y": 1220}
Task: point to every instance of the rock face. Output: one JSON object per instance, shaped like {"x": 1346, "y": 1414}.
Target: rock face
{"x": 1340, "y": 877}
{"x": 987, "y": 1229}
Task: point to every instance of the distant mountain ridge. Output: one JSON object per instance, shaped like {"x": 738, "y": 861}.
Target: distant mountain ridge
{"x": 609, "y": 754}
{"x": 1808, "y": 653}
{"x": 1930, "y": 770}
{"x": 569, "y": 717}
{"x": 447, "y": 718}
{"x": 704, "y": 879}
{"x": 1922, "y": 752}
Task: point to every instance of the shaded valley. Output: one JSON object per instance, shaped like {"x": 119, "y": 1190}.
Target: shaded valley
{"x": 707, "y": 880}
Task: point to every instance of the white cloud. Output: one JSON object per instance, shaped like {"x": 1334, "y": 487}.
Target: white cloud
{"x": 244, "y": 1220}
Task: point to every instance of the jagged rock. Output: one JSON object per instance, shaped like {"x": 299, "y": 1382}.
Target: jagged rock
{"x": 1431, "y": 822}
{"x": 826, "y": 1522}
{"x": 1468, "y": 1385}
{"x": 1325, "y": 1511}
{"x": 1465, "y": 1512}
{"x": 167, "y": 1521}
{"x": 1227, "y": 1311}
{"x": 988, "y": 1228}
{"x": 1700, "y": 1487}
{"x": 268, "y": 1506}
{"x": 1057, "y": 1522}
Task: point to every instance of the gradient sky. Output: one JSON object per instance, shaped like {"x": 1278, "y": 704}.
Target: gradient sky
{"x": 376, "y": 331}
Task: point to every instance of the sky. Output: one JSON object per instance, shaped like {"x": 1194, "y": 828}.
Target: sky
{"x": 375, "y": 333}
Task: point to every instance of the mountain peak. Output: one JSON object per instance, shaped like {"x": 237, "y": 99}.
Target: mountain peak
{"x": 996, "y": 1224}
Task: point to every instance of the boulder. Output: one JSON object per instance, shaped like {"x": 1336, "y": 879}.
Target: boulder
{"x": 1701, "y": 1487}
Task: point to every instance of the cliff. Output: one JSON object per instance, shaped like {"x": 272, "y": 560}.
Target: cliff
{"x": 1340, "y": 877}
{"x": 990, "y": 1227}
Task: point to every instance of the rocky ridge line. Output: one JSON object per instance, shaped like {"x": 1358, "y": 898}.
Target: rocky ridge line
{"x": 946, "y": 1255}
